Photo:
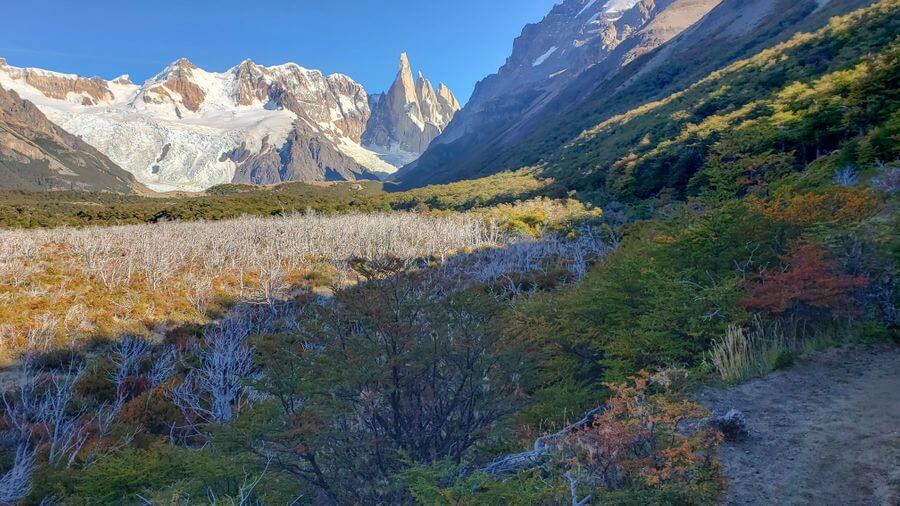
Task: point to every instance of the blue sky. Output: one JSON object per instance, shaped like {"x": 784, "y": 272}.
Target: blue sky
{"x": 454, "y": 41}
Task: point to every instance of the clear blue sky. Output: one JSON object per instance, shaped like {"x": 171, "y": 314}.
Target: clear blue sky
{"x": 454, "y": 41}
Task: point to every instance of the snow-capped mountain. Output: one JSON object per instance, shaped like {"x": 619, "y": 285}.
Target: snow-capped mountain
{"x": 189, "y": 129}
{"x": 409, "y": 116}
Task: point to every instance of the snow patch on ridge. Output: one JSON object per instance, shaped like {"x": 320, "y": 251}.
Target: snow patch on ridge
{"x": 586, "y": 7}
{"x": 542, "y": 58}
{"x": 619, "y": 5}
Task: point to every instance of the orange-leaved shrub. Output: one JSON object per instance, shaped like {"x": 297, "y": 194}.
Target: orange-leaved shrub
{"x": 810, "y": 282}
{"x": 636, "y": 441}
{"x": 839, "y": 205}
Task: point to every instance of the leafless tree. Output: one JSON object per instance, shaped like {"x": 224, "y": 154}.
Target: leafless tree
{"x": 846, "y": 176}
{"x": 164, "y": 366}
{"x": 216, "y": 390}
{"x": 16, "y": 483}
{"x": 44, "y": 401}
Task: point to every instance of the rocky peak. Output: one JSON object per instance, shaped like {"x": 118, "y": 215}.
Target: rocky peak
{"x": 428, "y": 103}
{"x": 183, "y": 65}
{"x": 404, "y": 64}
{"x": 448, "y": 102}
{"x": 575, "y": 35}
{"x": 323, "y": 100}
{"x": 123, "y": 79}
{"x": 175, "y": 85}
{"x": 250, "y": 84}
{"x": 403, "y": 91}
{"x": 411, "y": 114}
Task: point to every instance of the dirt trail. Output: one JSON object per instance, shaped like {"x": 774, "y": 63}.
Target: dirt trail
{"x": 826, "y": 431}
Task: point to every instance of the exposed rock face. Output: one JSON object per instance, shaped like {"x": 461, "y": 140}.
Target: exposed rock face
{"x": 76, "y": 89}
{"x": 576, "y": 37}
{"x": 589, "y": 60}
{"x": 250, "y": 84}
{"x": 411, "y": 114}
{"x": 304, "y": 156}
{"x": 447, "y": 102}
{"x": 176, "y": 86}
{"x": 335, "y": 99}
{"x": 36, "y": 154}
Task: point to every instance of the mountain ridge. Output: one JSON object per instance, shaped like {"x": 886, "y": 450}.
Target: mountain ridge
{"x": 189, "y": 129}
{"x": 36, "y": 154}
{"x": 726, "y": 32}
{"x": 410, "y": 114}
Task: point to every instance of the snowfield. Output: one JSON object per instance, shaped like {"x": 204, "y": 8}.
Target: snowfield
{"x": 148, "y": 131}
{"x": 193, "y": 160}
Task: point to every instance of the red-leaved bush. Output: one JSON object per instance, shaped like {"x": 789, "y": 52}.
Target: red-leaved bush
{"x": 810, "y": 281}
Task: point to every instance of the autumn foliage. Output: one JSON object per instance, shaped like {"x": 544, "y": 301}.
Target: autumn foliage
{"x": 810, "y": 281}
{"x": 844, "y": 205}
{"x": 635, "y": 440}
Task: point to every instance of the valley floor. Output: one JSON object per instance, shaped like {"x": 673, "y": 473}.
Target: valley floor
{"x": 822, "y": 432}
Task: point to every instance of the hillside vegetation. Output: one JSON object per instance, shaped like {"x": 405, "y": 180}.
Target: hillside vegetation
{"x": 495, "y": 341}
{"x": 827, "y": 97}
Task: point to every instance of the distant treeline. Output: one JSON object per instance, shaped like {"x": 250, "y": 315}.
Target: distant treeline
{"x": 70, "y": 208}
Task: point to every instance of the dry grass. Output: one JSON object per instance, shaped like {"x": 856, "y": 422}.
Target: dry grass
{"x": 749, "y": 353}
{"x": 69, "y": 284}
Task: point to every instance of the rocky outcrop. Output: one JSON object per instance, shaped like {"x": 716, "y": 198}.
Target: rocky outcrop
{"x": 77, "y": 89}
{"x": 304, "y": 156}
{"x": 36, "y": 154}
{"x": 411, "y": 114}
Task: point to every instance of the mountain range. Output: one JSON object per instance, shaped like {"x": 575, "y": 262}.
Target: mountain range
{"x": 584, "y": 63}
{"x": 190, "y": 129}
{"x": 588, "y": 61}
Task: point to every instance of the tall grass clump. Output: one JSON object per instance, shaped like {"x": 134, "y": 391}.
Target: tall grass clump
{"x": 743, "y": 354}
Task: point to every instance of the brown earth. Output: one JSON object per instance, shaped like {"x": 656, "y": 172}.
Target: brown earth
{"x": 823, "y": 432}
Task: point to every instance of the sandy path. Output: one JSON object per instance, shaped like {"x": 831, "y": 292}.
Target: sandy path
{"x": 826, "y": 431}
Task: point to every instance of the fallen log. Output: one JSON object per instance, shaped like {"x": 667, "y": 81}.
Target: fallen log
{"x": 732, "y": 424}
{"x": 509, "y": 464}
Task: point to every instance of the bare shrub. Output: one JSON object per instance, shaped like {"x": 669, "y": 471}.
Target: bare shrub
{"x": 182, "y": 262}
{"x": 216, "y": 390}
{"x": 40, "y": 337}
{"x": 16, "y": 483}
{"x": 43, "y": 401}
